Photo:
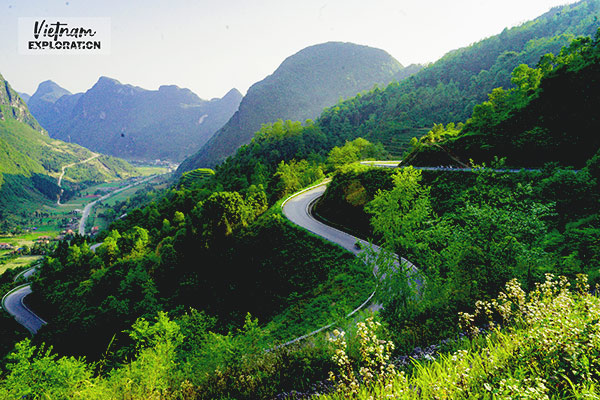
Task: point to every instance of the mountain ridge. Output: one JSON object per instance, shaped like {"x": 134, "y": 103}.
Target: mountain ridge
{"x": 302, "y": 85}
{"x": 132, "y": 122}
{"x": 31, "y": 161}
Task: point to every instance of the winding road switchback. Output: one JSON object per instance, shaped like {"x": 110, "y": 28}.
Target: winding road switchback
{"x": 13, "y": 304}
{"x": 298, "y": 209}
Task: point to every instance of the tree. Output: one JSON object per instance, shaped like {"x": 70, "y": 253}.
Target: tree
{"x": 356, "y": 150}
{"x": 134, "y": 241}
{"x": 222, "y": 212}
{"x": 400, "y": 212}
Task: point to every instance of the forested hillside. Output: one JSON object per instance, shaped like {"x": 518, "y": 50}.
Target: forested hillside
{"x": 549, "y": 116}
{"x": 447, "y": 90}
{"x": 192, "y": 295}
{"x": 299, "y": 89}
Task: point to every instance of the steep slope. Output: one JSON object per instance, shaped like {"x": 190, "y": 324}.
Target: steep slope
{"x": 30, "y": 161}
{"x": 50, "y": 103}
{"x": 13, "y": 107}
{"x": 447, "y": 90}
{"x": 134, "y": 123}
{"x": 550, "y": 116}
{"x": 305, "y": 83}
{"x": 24, "y": 96}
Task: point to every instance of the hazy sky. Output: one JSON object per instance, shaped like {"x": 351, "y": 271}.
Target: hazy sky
{"x": 212, "y": 46}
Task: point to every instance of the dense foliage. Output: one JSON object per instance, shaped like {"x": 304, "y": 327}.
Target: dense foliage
{"x": 168, "y": 303}
{"x": 468, "y": 233}
{"x": 546, "y": 347}
{"x": 211, "y": 251}
{"x": 447, "y": 90}
{"x": 549, "y": 116}
{"x": 284, "y": 157}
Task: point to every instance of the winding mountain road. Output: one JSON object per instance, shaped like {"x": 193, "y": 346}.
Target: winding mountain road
{"x": 298, "y": 209}
{"x": 64, "y": 168}
{"x": 86, "y": 210}
{"x": 14, "y": 305}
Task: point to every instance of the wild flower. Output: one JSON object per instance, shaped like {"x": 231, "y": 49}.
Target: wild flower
{"x": 374, "y": 362}
{"x": 548, "y": 346}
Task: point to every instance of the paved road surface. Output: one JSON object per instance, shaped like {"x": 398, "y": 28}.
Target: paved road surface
{"x": 88, "y": 208}
{"x": 298, "y": 210}
{"x": 394, "y": 164}
{"x": 95, "y": 246}
{"x": 13, "y": 304}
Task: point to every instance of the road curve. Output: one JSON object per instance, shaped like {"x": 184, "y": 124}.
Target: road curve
{"x": 26, "y": 274}
{"x": 13, "y": 304}
{"x": 64, "y": 168}
{"x": 298, "y": 209}
{"x": 88, "y": 208}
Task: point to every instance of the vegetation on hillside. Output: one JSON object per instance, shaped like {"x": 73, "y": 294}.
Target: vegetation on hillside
{"x": 549, "y": 116}
{"x": 447, "y": 90}
{"x": 31, "y": 162}
{"x": 537, "y": 345}
{"x": 305, "y": 83}
{"x": 189, "y": 295}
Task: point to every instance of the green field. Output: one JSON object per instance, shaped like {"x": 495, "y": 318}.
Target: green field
{"x": 25, "y": 239}
{"x": 52, "y": 219}
{"x": 22, "y": 261}
{"x": 147, "y": 170}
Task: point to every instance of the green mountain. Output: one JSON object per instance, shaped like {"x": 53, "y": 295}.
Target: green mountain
{"x": 447, "y": 90}
{"x": 306, "y": 82}
{"x": 30, "y": 161}
{"x": 130, "y": 122}
{"x": 550, "y": 116}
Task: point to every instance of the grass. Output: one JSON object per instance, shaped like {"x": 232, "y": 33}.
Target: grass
{"x": 547, "y": 348}
{"x": 124, "y": 195}
{"x": 196, "y": 176}
{"x": 329, "y": 302}
{"x": 26, "y": 238}
{"x": 22, "y": 261}
{"x": 147, "y": 170}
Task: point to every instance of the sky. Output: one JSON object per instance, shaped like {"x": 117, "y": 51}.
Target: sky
{"x": 212, "y": 46}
